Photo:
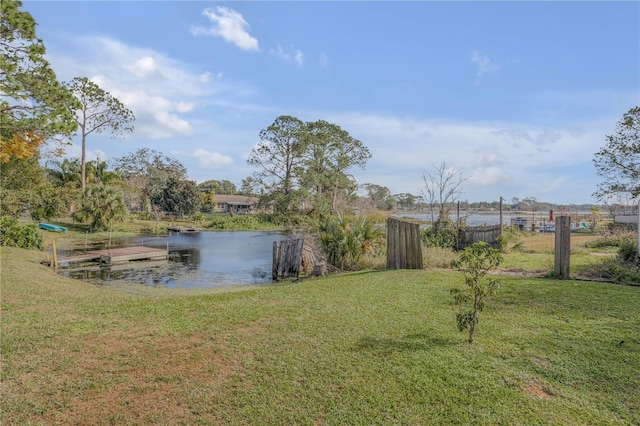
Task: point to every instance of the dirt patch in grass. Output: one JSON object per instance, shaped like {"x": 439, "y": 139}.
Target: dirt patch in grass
{"x": 541, "y": 362}
{"x": 123, "y": 377}
{"x": 533, "y": 388}
{"x": 603, "y": 254}
{"x": 519, "y": 272}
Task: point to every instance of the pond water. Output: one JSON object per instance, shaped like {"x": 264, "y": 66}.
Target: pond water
{"x": 196, "y": 260}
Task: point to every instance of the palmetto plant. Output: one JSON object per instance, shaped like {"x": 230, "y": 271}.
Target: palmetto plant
{"x": 102, "y": 206}
{"x": 345, "y": 239}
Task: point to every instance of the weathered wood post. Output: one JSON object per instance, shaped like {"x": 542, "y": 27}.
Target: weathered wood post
{"x": 562, "y": 247}
{"x": 287, "y": 257}
{"x": 55, "y": 254}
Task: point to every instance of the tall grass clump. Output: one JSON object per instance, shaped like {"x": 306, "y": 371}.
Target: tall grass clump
{"x": 510, "y": 240}
{"x": 613, "y": 239}
{"x": 438, "y": 257}
{"x": 625, "y": 267}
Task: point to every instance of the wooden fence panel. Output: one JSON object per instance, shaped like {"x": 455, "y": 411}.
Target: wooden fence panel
{"x": 404, "y": 247}
{"x": 474, "y": 234}
{"x": 287, "y": 257}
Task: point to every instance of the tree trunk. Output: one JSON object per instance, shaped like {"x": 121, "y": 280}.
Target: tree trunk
{"x": 83, "y": 160}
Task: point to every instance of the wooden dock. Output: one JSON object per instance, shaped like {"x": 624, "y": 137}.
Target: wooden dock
{"x": 182, "y": 229}
{"x": 118, "y": 255}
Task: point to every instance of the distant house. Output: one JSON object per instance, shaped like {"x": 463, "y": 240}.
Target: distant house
{"x": 625, "y": 218}
{"x": 241, "y": 204}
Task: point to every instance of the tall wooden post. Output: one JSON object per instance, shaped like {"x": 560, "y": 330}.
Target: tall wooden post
{"x": 562, "y": 247}
{"x": 55, "y": 254}
{"x": 638, "y": 228}
{"x": 501, "y": 226}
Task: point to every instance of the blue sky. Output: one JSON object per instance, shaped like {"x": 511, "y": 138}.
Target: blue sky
{"x": 517, "y": 95}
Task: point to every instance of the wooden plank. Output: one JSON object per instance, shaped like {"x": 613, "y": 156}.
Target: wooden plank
{"x": 79, "y": 258}
{"x": 131, "y": 253}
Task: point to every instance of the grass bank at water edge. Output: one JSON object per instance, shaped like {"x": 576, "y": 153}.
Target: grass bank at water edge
{"x": 363, "y": 348}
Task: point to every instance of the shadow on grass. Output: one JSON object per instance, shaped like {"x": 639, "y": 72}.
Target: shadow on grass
{"x": 410, "y": 342}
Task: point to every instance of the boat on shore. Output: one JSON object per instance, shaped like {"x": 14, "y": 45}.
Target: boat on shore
{"x": 51, "y": 227}
{"x": 551, "y": 227}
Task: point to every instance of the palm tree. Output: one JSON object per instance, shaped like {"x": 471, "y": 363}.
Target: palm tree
{"x": 101, "y": 205}
{"x": 346, "y": 239}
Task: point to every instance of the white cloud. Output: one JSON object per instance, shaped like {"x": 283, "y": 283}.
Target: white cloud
{"x": 508, "y": 159}
{"x": 143, "y": 66}
{"x": 485, "y": 65}
{"x": 162, "y": 92}
{"x": 212, "y": 159}
{"x": 207, "y": 76}
{"x": 290, "y": 55}
{"x": 486, "y": 158}
{"x": 228, "y": 24}
{"x": 74, "y": 151}
{"x": 324, "y": 60}
{"x": 487, "y": 176}
{"x": 156, "y": 116}
{"x": 533, "y": 137}
{"x": 299, "y": 58}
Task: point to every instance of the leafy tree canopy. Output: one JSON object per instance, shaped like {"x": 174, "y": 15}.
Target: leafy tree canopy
{"x": 68, "y": 172}
{"x": 24, "y": 189}
{"x": 380, "y": 196}
{"x": 218, "y": 187}
{"x": 179, "y": 196}
{"x": 149, "y": 164}
{"x": 306, "y": 163}
{"x": 618, "y": 162}
{"x": 146, "y": 173}
{"x": 33, "y": 104}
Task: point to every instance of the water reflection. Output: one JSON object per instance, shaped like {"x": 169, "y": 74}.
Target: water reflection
{"x": 196, "y": 260}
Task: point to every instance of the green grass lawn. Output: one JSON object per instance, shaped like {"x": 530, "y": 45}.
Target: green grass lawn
{"x": 362, "y": 348}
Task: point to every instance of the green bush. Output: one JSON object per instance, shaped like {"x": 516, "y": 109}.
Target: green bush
{"x": 442, "y": 234}
{"x": 14, "y": 235}
{"x": 628, "y": 250}
{"x": 242, "y": 223}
